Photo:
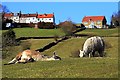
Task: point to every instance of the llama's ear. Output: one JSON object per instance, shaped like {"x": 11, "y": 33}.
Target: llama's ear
{"x": 54, "y": 53}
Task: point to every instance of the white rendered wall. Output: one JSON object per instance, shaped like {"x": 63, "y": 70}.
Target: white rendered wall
{"x": 31, "y": 20}
{"x": 46, "y": 19}
{"x": 15, "y": 19}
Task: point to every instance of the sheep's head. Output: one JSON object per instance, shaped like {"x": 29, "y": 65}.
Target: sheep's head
{"x": 81, "y": 53}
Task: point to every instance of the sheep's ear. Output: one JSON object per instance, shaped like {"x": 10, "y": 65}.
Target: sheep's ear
{"x": 80, "y": 50}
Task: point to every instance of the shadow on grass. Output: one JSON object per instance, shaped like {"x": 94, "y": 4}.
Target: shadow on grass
{"x": 51, "y": 44}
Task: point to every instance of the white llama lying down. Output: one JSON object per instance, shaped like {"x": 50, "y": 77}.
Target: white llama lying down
{"x": 92, "y": 45}
{"x": 30, "y": 56}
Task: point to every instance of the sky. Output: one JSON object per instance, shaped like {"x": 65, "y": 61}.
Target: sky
{"x": 73, "y": 11}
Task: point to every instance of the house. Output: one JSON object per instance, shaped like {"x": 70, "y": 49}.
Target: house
{"x": 12, "y": 16}
{"x": 16, "y": 17}
{"x": 94, "y": 21}
{"x": 7, "y": 22}
{"x": 28, "y": 18}
{"x": 32, "y": 20}
{"x": 46, "y": 18}
{"x": 8, "y": 15}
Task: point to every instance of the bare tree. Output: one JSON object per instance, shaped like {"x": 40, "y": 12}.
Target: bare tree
{"x": 115, "y": 19}
{"x": 4, "y": 9}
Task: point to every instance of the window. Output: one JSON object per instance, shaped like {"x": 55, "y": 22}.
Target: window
{"x": 98, "y": 22}
{"x": 85, "y": 22}
{"x": 49, "y": 19}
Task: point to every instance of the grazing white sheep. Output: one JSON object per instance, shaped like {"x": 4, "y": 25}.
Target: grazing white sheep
{"x": 92, "y": 45}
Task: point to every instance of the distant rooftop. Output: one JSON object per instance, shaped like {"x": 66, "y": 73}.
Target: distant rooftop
{"x": 92, "y": 18}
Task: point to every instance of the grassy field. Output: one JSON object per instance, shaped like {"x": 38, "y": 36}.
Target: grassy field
{"x": 38, "y": 43}
{"x": 68, "y": 67}
{"x": 100, "y": 32}
{"x": 32, "y": 32}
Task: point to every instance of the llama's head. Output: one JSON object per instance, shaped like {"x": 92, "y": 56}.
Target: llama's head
{"x": 51, "y": 58}
{"x": 81, "y": 53}
{"x": 55, "y": 57}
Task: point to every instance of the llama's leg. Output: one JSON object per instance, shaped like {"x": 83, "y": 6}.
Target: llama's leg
{"x": 31, "y": 60}
{"x": 22, "y": 61}
{"x": 13, "y": 61}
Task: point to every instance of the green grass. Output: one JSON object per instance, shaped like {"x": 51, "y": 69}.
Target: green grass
{"x": 65, "y": 48}
{"x": 32, "y": 32}
{"x": 68, "y": 67}
{"x": 38, "y": 43}
{"x": 100, "y": 32}
{"x": 34, "y": 44}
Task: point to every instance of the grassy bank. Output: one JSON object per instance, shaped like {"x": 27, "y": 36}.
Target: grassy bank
{"x": 68, "y": 67}
{"x": 38, "y": 43}
{"x": 32, "y": 32}
{"x": 100, "y": 32}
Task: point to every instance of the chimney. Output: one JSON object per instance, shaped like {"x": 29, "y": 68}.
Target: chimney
{"x": 36, "y": 14}
{"x": 20, "y": 13}
{"x": 45, "y": 14}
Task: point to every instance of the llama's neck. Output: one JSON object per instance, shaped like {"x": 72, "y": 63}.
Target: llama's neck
{"x": 38, "y": 57}
{"x": 47, "y": 58}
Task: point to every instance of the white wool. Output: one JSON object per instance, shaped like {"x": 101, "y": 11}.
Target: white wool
{"x": 93, "y": 44}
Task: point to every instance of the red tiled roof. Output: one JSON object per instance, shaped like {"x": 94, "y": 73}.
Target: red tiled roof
{"x": 28, "y": 15}
{"x": 8, "y": 14}
{"x": 92, "y": 18}
{"x": 32, "y": 15}
{"x": 45, "y": 15}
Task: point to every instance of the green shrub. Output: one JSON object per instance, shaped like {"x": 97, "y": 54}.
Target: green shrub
{"x": 8, "y": 38}
{"x": 47, "y": 25}
{"x": 68, "y": 27}
{"x": 8, "y": 43}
